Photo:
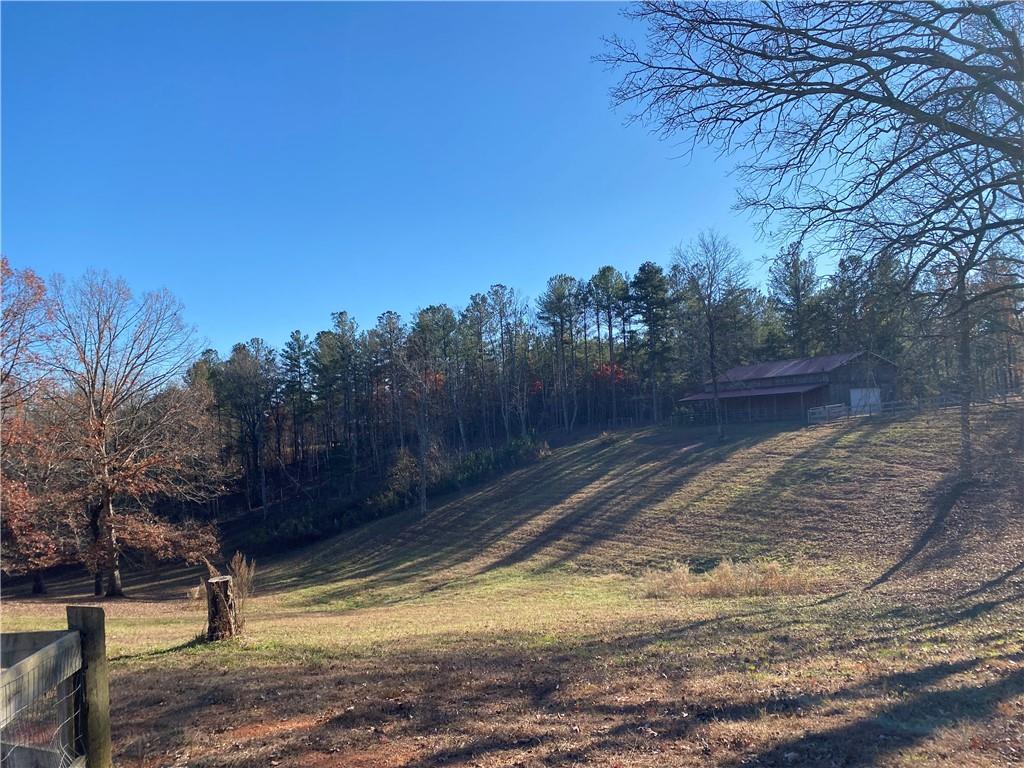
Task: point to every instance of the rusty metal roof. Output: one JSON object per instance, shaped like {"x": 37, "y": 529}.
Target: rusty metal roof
{"x": 800, "y": 367}
{"x": 753, "y": 392}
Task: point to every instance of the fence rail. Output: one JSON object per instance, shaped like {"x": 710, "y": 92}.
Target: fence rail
{"x": 825, "y": 414}
{"x": 54, "y": 698}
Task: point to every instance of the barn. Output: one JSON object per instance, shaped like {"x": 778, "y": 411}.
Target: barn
{"x": 785, "y": 389}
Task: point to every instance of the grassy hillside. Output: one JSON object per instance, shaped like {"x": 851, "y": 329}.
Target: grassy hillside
{"x": 513, "y": 624}
{"x": 867, "y": 502}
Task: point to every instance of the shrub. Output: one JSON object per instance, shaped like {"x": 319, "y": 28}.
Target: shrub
{"x": 403, "y": 475}
{"x": 481, "y": 463}
{"x": 301, "y": 524}
{"x": 729, "y": 579}
{"x": 243, "y": 573}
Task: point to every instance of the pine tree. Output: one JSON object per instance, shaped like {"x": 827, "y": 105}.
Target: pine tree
{"x": 649, "y": 289}
{"x": 793, "y": 287}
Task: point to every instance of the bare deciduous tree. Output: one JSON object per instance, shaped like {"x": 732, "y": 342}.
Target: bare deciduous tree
{"x": 977, "y": 253}
{"x": 713, "y": 274}
{"x": 832, "y": 104}
{"x": 31, "y": 527}
{"x": 130, "y": 430}
{"x": 892, "y": 129}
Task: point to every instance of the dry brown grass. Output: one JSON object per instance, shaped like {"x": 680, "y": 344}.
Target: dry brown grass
{"x": 759, "y": 578}
{"x": 504, "y": 628}
{"x": 197, "y": 595}
{"x": 243, "y": 574}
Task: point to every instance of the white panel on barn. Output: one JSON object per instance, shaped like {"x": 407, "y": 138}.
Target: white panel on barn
{"x": 865, "y": 401}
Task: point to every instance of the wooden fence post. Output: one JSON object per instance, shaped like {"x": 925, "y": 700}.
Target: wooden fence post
{"x": 95, "y": 697}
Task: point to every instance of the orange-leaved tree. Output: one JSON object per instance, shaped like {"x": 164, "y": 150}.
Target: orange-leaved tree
{"x": 31, "y": 528}
{"x": 131, "y": 431}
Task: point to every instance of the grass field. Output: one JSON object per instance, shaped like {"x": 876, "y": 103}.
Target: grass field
{"x": 515, "y": 624}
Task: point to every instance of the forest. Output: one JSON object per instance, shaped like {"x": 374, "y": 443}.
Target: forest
{"x": 122, "y": 439}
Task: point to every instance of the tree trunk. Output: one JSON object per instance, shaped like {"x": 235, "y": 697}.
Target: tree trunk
{"x": 38, "y": 585}
{"x": 654, "y": 393}
{"x": 263, "y": 477}
{"x": 110, "y": 557}
{"x": 611, "y": 359}
{"x": 114, "y": 586}
{"x": 964, "y": 375}
{"x": 354, "y": 468}
{"x": 95, "y": 554}
{"x": 713, "y": 363}
{"x": 221, "y": 610}
{"x": 586, "y": 369}
{"x": 422, "y": 450}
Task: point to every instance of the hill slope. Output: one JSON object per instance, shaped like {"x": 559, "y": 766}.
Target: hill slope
{"x": 512, "y": 626}
{"x": 872, "y": 499}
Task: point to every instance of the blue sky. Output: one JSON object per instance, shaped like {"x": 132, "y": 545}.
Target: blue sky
{"x": 273, "y": 163}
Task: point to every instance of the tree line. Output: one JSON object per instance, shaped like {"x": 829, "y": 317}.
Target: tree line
{"x": 118, "y": 433}
{"x": 610, "y": 349}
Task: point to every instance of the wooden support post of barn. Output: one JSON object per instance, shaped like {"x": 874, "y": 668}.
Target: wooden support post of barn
{"x": 94, "y": 698}
{"x": 221, "y": 611}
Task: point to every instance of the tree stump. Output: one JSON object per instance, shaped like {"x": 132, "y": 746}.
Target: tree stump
{"x": 221, "y": 613}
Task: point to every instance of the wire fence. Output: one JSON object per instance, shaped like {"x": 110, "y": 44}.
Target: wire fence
{"x": 41, "y": 707}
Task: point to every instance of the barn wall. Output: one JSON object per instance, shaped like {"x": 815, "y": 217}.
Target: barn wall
{"x": 764, "y": 408}
{"x": 864, "y": 372}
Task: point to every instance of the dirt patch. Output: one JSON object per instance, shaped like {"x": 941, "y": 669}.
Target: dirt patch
{"x": 265, "y": 730}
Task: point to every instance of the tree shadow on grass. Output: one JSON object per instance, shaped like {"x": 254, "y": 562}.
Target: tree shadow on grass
{"x": 505, "y": 699}
{"x": 941, "y": 508}
{"x": 860, "y": 743}
{"x": 604, "y": 515}
{"x": 198, "y": 641}
{"x": 894, "y": 727}
{"x": 511, "y": 522}
{"x": 975, "y": 611}
{"x": 968, "y": 519}
{"x": 996, "y": 581}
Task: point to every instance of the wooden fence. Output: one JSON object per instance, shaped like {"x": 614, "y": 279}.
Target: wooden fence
{"x": 54, "y": 695}
{"x": 838, "y": 412}
{"x": 824, "y": 414}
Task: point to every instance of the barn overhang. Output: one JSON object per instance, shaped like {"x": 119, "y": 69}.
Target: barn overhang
{"x": 796, "y": 389}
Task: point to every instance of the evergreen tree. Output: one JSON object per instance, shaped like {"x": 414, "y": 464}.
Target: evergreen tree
{"x": 793, "y": 287}
{"x": 649, "y": 289}
{"x": 609, "y": 287}
{"x": 296, "y": 381}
